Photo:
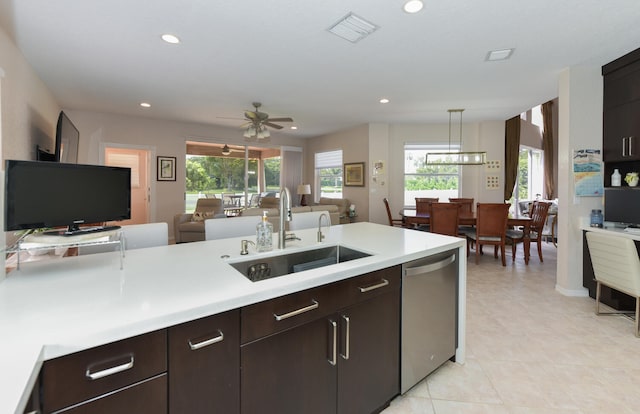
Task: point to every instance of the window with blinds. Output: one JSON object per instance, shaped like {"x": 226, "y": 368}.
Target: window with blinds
{"x": 328, "y": 174}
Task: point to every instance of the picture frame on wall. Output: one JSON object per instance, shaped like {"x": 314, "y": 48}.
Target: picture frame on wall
{"x": 354, "y": 174}
{"x": 166, "y": 168}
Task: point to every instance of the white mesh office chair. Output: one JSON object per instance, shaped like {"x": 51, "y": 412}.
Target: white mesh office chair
{"x": 615, "y": 264}
{"x": 223, "y": 228}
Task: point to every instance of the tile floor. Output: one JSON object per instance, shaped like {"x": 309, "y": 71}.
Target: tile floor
{"x": 531, "y": 350}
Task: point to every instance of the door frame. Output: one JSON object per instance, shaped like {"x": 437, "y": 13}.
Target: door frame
{"x": 151, "y": 150}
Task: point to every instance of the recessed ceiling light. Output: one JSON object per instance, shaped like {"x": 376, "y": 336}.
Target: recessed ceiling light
{"x": 145, "y": 104}
{"x": 502, "y": 54}
{"x": 294, "y": 127}
{"x": 169, "y": 38}
{"x": 413, "y": 6}
{"x": 384, "y": 100}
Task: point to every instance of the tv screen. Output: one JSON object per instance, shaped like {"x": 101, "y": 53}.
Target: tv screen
{"x": 67, "y": 138}
{"x": 40, "y": 194}
{"x": 620, "y": 206}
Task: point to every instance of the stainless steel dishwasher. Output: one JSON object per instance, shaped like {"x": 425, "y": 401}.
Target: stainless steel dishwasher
{"x": 429, "y": 316}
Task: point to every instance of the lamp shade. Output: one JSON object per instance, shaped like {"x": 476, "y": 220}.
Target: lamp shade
{"x": 304, "y": 189}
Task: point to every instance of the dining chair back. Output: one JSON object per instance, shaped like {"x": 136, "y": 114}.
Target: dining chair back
{"x": 466, "y": 205}
{"x": 616, "y": 265}
{"x": 491, "y": 228}
{"x": 423, "y": 204}
{"x": 444, "y": 218}
{"x": 392, "y": 221}
{"x": 538, "y": 214}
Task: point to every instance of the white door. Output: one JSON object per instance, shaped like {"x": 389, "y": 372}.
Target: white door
{"x": 138, "y": 161}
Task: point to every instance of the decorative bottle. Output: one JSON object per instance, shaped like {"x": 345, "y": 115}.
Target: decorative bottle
{"x": 616, "y": 179}
{"x": 264, "y": 235}
{"x": 596, "y": 218}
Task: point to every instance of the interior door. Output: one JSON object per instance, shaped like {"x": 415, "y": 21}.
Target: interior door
{"x": 138, "y": 161}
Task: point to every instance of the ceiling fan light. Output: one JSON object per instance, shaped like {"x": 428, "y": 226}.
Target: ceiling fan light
{"x": 226, "y": 150}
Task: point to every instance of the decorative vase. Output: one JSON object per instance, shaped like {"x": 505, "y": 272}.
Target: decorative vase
{"x": 631, "y": 179}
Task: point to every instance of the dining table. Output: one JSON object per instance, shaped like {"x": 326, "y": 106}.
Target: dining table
{"x": 411, "y": 217}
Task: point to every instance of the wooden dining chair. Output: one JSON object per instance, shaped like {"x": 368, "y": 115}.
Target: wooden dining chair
{"x": 491, "y": 228}
{"x": 538, "y": 213}
{"x": 423, "y": 206}
{"x": 392, "y": 221}
{"x": 466, "y": 205}
{"x": 444, "y": 218}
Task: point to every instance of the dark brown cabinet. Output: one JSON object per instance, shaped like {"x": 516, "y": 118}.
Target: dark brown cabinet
{"x": 204, "y": 365}
{"x": 110, "y": 378}
{"x": 340, "y": 354}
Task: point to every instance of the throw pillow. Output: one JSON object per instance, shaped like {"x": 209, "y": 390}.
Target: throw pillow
{"x": 202, "y": 215}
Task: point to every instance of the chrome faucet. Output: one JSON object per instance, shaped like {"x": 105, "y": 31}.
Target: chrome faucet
{"x": 285, "y": 215}
{"x": 320, "y": 235}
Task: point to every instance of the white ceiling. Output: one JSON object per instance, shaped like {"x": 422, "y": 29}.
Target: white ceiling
{"x": 108, "y": 56}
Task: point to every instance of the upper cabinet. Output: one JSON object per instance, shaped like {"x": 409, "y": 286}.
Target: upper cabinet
{"x": 621, "y": 114}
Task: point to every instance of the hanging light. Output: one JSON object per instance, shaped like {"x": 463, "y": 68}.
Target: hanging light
{"x": 226, "y": 150}
{"x": 257, "y": 131}
{"x": 459, "y": 157}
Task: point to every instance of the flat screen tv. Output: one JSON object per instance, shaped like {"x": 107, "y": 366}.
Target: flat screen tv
{"x": 620, "y": 206}
{"x": 67, "y": 138}
{"x": 40, "y": 194}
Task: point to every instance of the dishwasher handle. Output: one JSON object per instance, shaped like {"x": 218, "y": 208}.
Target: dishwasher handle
{"x": 431, "y": 267}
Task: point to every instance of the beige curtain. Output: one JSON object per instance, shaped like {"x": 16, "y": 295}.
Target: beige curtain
{"x": 547, "y": 147}
{"x": 511, "y": 151}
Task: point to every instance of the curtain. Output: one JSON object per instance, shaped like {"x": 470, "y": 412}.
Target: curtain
{"x": 511, "y": 151}
{"x": 291, "y": 169}
{"x": 547, "y": 147}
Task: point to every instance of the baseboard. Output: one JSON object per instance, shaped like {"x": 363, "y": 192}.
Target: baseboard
{"x": 583, "y": 292}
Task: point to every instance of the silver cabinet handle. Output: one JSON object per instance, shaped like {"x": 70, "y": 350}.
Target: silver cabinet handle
{"x": 333, "y": 360}
{"x": 347, "y": 335}
{"x": 109, "y": 371}
{"x": 314, "y": 305}
{"x": 624, "y": 146}
{"x": 630, "y": 150}
{"x": 384, "y": 283}
{"x": 207, "y": 342}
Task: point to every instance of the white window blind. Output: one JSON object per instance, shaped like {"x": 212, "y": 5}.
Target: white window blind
{"x": 329, "y": 159}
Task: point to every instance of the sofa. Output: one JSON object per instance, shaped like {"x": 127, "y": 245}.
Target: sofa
{"x": 190, "y": 227}
{"x": 336, "y": 207}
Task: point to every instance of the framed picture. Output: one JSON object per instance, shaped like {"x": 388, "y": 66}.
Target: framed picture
{"x": 354, "y": 174}
{"x": 166, "y": 168}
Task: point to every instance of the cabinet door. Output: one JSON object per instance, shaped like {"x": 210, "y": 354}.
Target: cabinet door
{"x": 146, "y": 397}
{"x": 369, "y": 358}
{"x": 204, "y": 365}
{"x": 621, "y": 133}
{"x": 290, "y": 372}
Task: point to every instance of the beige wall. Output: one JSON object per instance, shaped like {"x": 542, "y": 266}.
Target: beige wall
{"x": 162, "y": 138}
{"x": 29, "y": 110}
{"x": 354, "y": 144}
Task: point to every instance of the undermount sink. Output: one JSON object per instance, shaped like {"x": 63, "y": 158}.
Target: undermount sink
{"x": 284, "y": 264}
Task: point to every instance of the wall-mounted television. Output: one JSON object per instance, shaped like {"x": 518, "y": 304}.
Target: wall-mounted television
{"x": 67, "y": 139}
{"x": 40, "y": 194}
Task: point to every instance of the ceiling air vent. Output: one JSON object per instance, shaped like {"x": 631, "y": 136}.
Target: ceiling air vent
{"x": 353, "y": 28}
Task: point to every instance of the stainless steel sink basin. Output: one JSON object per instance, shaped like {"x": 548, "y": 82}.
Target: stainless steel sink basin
{"x": 284, "y": 264}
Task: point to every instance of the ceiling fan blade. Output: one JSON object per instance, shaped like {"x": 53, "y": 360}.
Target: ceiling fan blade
{"x": 280, "y": 120}
{"x": 250, "y": 115}
{"x": 276, "y": 126}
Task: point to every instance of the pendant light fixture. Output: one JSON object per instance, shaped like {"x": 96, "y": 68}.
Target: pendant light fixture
{"x": 459, "y": 157}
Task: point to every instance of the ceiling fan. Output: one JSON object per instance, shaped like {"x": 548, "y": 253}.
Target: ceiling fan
{"x": 227, "y": 151}
{"x": 258, "y": 121}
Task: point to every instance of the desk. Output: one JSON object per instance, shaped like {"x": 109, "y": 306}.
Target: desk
{"x": 411, "y": 217}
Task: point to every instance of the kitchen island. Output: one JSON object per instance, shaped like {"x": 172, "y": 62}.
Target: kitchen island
{"x": 48, "y": 310}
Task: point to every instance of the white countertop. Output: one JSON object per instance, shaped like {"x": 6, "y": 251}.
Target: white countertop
{"x": 50, "y": 309}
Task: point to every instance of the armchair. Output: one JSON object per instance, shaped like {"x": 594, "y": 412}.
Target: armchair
{"x": 190, "y": 227}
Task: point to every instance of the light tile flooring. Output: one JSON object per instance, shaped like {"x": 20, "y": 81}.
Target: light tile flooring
{"x": 531, "y": 350}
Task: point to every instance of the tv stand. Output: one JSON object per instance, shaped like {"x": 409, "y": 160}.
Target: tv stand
{"x": 80, "y": 231}
{"x": 102, "y": 235}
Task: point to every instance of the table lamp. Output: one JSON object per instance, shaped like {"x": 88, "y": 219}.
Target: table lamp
{"x": 303, "y": 190}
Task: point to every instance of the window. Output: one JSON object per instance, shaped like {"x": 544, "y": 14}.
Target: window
{"x": 328, "y": 179}
{"x": 421, "y": 180}
{"x": 529, "y": 184}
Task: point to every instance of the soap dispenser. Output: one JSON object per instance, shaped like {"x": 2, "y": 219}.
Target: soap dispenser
{"x": 264, "y": 234}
